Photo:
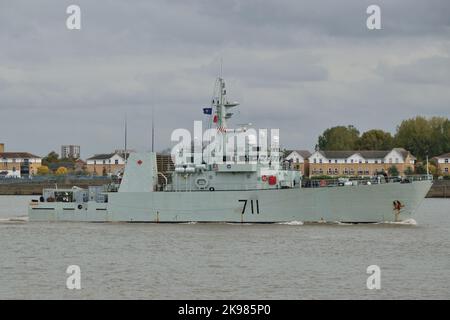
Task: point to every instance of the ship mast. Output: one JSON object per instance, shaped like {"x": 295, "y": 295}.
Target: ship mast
{"x": 223, "y": 107}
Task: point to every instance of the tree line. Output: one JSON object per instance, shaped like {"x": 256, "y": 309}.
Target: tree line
{"x": 420, "y": 135}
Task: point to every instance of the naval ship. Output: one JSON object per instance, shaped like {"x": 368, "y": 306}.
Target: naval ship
{"x": 257, "y": 189}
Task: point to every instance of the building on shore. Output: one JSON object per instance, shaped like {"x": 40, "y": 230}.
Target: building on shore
{"x": 114, "y": 163}
{"x": 360, "y": 163}
{"x": 298, "y": 160}
{"x": 70, "y": 151}
{"x": 19, "y": 164}
{"x": 443, "y": 163}
{"x": 106, "y": 164}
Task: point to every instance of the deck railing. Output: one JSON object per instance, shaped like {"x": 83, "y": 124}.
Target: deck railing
{"x": 355, "y": 181}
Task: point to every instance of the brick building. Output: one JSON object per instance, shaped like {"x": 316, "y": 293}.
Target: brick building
{"x": 105, "y": 164}
{"x": 443, "y": 163}
{"x": 359, "y": 163}
{"x": 299, "y": 160}
{"x": 19, "y": 164}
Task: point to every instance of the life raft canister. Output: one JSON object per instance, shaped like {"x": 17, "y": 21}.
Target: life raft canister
{"x": 272, "y": 180}
{"x": 264, "y": 178}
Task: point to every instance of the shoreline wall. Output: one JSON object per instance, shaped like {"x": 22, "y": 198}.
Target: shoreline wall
{"x": 440, "y": 189}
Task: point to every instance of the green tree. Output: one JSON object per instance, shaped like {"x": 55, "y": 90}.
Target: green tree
{"x": 420, "y": 168}
{"x": 440, "y": 135}
{"x": 52, "y": 157}
{"x": 393, "y": 171}
{"x": 339, "y": 138}
{"x": 424, "y": 136}
{"x": 409, "y": 171}
{"x": 376, "y": 140}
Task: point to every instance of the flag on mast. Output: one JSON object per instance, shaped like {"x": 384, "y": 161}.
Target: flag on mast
{"x": 207, "y": 110}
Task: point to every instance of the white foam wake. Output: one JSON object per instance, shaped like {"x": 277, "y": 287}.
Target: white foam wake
{"x": 408, "y": 222}
{"x": 344, "y": 224}
{"x": 14, "y": 219}
{"x": 292, "y": 223}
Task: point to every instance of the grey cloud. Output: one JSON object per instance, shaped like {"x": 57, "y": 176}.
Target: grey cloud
{"x": 432, "y": 70}
{"x": 300, "y": 66}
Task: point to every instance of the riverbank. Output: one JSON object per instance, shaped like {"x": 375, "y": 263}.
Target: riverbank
{"x": 440, "y": 189}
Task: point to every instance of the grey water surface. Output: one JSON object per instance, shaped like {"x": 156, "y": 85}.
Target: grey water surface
{"x": 224, "y": 261}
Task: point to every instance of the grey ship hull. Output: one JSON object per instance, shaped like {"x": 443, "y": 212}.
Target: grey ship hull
{"x": 355, "y": 204}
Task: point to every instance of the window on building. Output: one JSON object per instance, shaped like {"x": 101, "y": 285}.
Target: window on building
{"x": 335, "y": 161}
{"x": 320, "y": 160}
{"x": 320, "y": 171}
{"x": 390, "y": 160}
{"x": 315, "y": 160}
{"x": 446, "y": 170}
{"x": 360, "y": 161}
{"x": 116, "y": 161}
{"x": 376, "y": 161}
{"x": 367, "y": 161}
{"x": 396, "y": 160}
{"x": 104, "y": 161}
{"x": 329, "y": 161}
{"x": 345, "y": 171}
{"x": 352, "y": 161}
{"x": 336, "y": 171}
{"x": 95, "y": 162}
{"x": 446, "y": 160}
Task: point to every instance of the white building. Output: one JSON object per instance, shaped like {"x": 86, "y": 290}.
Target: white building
{"x": 443, "y": 162}
{"x": 70, "y": 151}
{"x": 360, "y": 162}
{"x": 106, "y": 164}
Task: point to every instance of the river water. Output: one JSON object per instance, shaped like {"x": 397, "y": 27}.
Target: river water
{"x": 224, "y": 261}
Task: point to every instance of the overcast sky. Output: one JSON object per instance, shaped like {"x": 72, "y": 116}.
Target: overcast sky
{"x": 300, "y": 66}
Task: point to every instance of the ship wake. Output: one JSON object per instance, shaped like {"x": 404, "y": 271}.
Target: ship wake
{"x": 291, "y": 223}
{"x": 14, "y": 220}
{"x": 407, "y": 222}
